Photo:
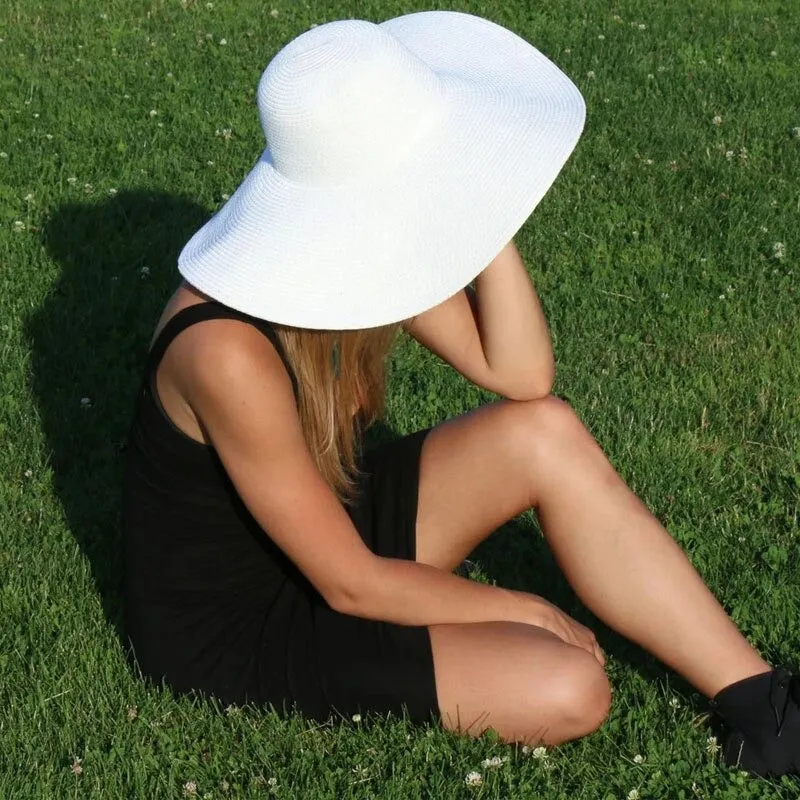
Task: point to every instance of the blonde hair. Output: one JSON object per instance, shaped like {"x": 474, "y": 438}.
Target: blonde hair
{"x": 341, "y": 391}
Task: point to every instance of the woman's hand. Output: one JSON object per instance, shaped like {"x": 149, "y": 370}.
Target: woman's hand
{"x": 552, "y": 618}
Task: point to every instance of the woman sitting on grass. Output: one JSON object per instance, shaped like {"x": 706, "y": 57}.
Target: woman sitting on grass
{"x": 271, "y": 558}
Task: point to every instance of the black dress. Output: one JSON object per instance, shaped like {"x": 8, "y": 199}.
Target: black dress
{"x": 213, "y": 605}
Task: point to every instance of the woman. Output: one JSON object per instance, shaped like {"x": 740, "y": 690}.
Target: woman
{"x": 269, "y": 557}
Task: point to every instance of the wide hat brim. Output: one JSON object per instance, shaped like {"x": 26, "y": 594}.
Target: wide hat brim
{"x": 368, "y": 254}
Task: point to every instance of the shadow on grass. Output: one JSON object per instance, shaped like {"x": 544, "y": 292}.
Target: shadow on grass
{"x": 88, "y": 342}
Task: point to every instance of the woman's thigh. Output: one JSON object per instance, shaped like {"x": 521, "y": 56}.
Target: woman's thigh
{"x": 521, "y": 680}
{"x": 476, "y": 473}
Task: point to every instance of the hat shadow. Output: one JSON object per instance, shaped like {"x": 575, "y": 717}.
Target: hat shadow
{"x": 88, "y": 343}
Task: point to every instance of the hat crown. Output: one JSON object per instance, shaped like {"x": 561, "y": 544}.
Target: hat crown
{"x": 344, "y": 102}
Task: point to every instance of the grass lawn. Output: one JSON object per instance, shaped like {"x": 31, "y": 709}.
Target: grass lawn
{"x": 666, "y": 259}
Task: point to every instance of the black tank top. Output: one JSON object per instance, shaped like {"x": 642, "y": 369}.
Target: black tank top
{"x": 200, "y": 575}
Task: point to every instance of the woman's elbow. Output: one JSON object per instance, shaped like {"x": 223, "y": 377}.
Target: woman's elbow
{"x": 535, "y": 387}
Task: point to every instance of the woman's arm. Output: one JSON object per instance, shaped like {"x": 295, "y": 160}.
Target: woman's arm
{"x": 513, "y": 329}
{"x": 496, "y": 336}
{"x": 237, "y": 387}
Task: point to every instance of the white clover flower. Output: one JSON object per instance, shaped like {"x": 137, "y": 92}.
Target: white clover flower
{"x": 642, "y": 26}
{"x": 144, "y": 272}
{"x": 112, "y": 191}
{"x": 86, "y": 402}
{"x": 796, "y": 132}
{"x": 729, "y": 154}
{"x": 650, "y": 76}
{"x": 28, "y": 473}
{"x": 664, "y": 295}
{"x": 778, "y": 250}
{"x": 539, "y": 752}
{"x": 711, "y": 745}
{"x": 648, "y": 161}
{"x": 356, "y": 717}
{"x": 190, "y": 788}
{"x": 717, "y": 120}
{"x": 722, "y": 297}
{"x": 494, "y": 761}
{"x": 153, "y": 112}
{"x": 88, "y": 188}
{"x": 19, "y": 225}
{"x": 72, "y": 180}
{"x": 274, "y": 13}
{"x": 272, "y": 782}
{"x": 3, "y": 154}
{"x": 210, "y": 163}
{"x": 223, "y": 42}
{"x": 28, "y": 197}
{"x": 660, "y": 68}
{"x": 633, "y": 794}
{"x": 590, "y": 74}
{"x": 473, "y": 779}
{"x": 638, "y": 759}
{"x": 601, "y": 37}
{"x": 764, "y": 229}
{"x": 674, "y": 702}
{"x": 567, "y": 51}
{"x": 104, "y": 16}
{"x": 132, "y": 712}
{"x": 743, "y": 153}
{"x": 209, "y": 6}
{"x": 76, "y": 767}
{"x": 226, "y": 197}
{"x": 774, "y": 53}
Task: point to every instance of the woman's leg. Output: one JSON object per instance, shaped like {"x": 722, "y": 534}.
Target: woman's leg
{"x": 520, "y": 680}
{"x": 483, "y": 468}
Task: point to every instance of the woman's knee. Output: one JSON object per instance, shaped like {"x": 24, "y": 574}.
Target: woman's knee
{"x": 541, "y": 427}
{"x": 582, "y": 693}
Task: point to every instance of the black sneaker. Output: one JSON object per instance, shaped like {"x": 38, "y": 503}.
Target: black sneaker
{"x": 771, "y": 748}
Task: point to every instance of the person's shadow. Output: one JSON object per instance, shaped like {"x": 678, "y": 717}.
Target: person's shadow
{"x": 89, "y": 342}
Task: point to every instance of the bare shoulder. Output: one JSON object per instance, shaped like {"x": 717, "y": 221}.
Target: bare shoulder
{"x": 229, "y": 375}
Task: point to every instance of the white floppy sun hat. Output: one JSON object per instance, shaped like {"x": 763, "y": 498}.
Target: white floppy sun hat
{"x": 401, "y": 158}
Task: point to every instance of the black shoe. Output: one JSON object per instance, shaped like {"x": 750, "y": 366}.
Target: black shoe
{"x": 763, "y": 713}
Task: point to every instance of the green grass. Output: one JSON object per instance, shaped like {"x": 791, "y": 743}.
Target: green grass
{"x": 675, "y": 327}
